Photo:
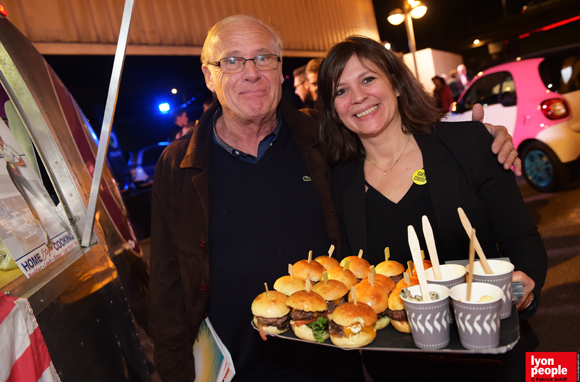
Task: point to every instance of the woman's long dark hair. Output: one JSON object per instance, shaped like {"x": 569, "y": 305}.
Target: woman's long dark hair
{"x": 416, "y": 106}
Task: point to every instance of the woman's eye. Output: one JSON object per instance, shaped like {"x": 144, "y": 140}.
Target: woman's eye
{"x": 368, "y": 80}
{"x": 339, "y": 92}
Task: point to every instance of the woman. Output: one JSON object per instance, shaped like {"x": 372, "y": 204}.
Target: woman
{"x": 399, "y": 163}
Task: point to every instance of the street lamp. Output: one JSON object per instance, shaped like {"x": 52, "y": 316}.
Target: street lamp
{"x": 411, "y": 10}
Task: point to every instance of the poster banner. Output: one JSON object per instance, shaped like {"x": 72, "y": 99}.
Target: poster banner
{"x": 33, "y": 229}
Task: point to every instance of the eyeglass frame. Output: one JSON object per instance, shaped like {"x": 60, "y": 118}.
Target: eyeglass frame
{"x": 253, "y": 59}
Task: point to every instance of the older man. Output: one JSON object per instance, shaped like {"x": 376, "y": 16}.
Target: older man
{"x": 247, "y": 194}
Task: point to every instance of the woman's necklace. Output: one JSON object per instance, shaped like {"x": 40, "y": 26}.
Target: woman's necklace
{"x": 396, "y": 160}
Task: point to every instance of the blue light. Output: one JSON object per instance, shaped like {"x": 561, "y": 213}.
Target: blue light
{"x": 162, "y": 143}
{"x": 164, "y": 107}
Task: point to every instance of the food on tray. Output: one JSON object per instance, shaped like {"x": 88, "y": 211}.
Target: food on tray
{"x": 328, "y": 261}
{"x": 486, "y": 298}
{"x": 396, "y": 312}
{"x": 359, "y": 266}
{"x": 376, "y": 298}
{"x": 333, "y": 291}
{"x": 353, "y": 325}
{"x": 406, "y": 293}
{"x": 343, "y": 275}
{"x": 426, "y": 265}
{"x": 390, "y": 268}
{"x": 308, "y": 310}
{"x": 271, "y": 313}
{"x": 289, "y": 285}
{"x": 382, "y": 281}
{"x": 308, "y": 269}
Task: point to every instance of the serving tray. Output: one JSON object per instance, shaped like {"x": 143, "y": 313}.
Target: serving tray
{"x": 389, "y": 339}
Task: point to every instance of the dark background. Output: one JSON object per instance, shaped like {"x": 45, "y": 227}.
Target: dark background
{"x": 449, "y": 25}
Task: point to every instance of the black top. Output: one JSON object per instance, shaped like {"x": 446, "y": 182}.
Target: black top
{"x": 387, "y": 223}
{"x": 263, "y": 216}
{"x": 461, "y": 171}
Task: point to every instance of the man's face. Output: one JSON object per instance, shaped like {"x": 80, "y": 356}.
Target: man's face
{"x": 251, "y": 94}
{"x": 312, "y": 84}
{"x": 182, "y": 119}
{"x": 300, "y": 89}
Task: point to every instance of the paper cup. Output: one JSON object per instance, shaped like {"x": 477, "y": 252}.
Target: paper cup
{"x": 478, "y": 322}
{"x": 429, "y": 321}
{"x": 452, "y": 274}
{"x": 501, "y": 277}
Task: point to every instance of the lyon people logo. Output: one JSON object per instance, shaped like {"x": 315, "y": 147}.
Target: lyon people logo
{"x": 553, "y": 366}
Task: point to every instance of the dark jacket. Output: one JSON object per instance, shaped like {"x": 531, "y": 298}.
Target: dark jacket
{"x": 179, "y": 284}
{"x": 462, "y": 172}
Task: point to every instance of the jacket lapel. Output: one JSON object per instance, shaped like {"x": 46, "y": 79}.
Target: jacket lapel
{"x": 355, "y": 207}
{"x": 443, "y": 181}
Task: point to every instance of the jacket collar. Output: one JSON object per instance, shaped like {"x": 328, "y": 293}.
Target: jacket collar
{"x": 197, "y": 156}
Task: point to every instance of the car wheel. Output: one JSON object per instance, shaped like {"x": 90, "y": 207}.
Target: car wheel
{"x": 542, "y": 168}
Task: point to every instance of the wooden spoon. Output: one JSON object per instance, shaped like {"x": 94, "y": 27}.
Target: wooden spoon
{"x": 468, "y": 228}
{"x": 430, "y": 240}
{"x": 416, "y": 253}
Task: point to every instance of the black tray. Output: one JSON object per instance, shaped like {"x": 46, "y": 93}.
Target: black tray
{"x": 389, "y": 339}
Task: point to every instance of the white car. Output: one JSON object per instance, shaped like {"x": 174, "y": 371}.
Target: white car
{"x": 538, "y": 99}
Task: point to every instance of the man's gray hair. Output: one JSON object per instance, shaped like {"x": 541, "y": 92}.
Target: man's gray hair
{"x": 214, "y": 34}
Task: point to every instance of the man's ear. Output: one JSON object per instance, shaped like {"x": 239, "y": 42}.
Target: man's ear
{"x": 281, "y": 74}
{"x": 208, "y": 78}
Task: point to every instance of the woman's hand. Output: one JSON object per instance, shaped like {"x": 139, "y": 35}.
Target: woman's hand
{"x": 528, "y": 285}
{"x": 502, "y": 142}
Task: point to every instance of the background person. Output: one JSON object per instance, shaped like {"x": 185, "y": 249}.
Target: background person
{"x": 300, "y": 88}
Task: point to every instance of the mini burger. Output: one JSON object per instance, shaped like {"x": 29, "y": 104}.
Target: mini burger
{"x": 308, "y": 270}
{"x": 353, "y": 325}
{"x": 334, "y": 292}
{"x": 307, "y": 316}
{"x": 359, "y": 266}
{"x": 327, "y": 262}
{"x": 426, "y": 265}
{"x": 376, "y": 298}
{"x": 271, "y": 313}
{"x": 382, "y": 281}
{"x": 392, "y": 269}
{"x": 343, "y": 275}
{"x": 289, "y": 285}
{"x": 397, "y": 312}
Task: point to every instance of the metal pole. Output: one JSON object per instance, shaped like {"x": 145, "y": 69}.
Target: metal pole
{"x": 411, "y": 37}
{"x": 107, "y": 121}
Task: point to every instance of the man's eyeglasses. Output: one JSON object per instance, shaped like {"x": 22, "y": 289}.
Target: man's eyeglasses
{"x": 237, "y": 64}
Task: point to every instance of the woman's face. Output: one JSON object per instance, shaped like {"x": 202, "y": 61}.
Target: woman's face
{"x": 365, "y": 100}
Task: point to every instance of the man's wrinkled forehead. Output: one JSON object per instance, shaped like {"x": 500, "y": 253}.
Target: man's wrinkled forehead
{"x": 234, "y": 37}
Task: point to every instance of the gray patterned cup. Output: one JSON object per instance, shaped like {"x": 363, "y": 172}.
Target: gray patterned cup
{"x": 501, "y": 277}
{"x": 478, "y": 320}
{"x": 452, "y": 275}
{"x": 429, "y": 321}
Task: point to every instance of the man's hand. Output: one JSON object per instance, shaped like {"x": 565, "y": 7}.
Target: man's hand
{"x": 502, "y": 142}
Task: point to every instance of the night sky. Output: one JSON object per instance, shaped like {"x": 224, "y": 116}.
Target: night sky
{"x": 147, "y": 80}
